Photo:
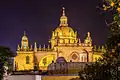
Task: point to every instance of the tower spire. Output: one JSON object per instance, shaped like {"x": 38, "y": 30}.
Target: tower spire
{"x": 24, "y": 33}
{"x": 88, "y": 34}
{"x": 63, "y": 14}
{"x": 35, "y": 47}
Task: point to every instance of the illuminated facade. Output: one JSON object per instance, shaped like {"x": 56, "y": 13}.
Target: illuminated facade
{"x": 64, "y": 42}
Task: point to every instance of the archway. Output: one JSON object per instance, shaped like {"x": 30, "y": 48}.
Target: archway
{"x": 45, "y": 61}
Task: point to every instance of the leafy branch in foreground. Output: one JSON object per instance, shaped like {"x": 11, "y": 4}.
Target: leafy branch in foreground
{"x": 108, "y": 67}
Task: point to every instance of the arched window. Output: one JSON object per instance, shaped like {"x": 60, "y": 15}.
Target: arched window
{"x": 45, "y": 61}
{"x": 27, "y": 59}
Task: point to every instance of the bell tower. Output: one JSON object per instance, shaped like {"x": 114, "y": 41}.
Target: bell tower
{"x": 88, "y": 39}
{"x": 24, "y": 42}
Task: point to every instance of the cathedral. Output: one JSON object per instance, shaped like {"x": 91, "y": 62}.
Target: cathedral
{"x": 64, "y": 45}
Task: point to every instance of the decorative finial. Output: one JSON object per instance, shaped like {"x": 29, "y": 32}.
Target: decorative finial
{"x": 31, "y": 47}
{"x": 24, "y": 33}
{"x": 63, "y": 11}
{"x": 88, "y": 34}
{"x": 48, "y": 47}
{"x": 53, "y": 33}
{"x": 103, "y": 48}
{"x": 94, "y": 48}
{"x": 99, "y": 48}
{"x": 18, "y": 47}
{"x": 44, "y": 47}
{"x": 35, "y": 47}
{"x": 39, "y": 47}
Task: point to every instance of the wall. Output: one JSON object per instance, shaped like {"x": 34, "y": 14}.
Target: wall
{"x": 21, "y": 77}
{"x": 58, "y": 77}
{"x": 39, "y": 77}
{"x": 20, "y": 60}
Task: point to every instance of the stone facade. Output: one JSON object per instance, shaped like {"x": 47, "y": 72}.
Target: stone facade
{"x": 64, "y": 42}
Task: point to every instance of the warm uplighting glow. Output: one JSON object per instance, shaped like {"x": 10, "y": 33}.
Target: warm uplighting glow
{"x": 65, "y": 46}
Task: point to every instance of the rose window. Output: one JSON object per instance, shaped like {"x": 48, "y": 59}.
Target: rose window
{"x": 74, "y": 57}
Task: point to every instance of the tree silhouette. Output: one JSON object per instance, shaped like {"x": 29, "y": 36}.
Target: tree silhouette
{"x": 5, "y": 56}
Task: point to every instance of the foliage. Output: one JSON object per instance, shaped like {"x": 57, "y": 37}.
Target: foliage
{"x": 5, "y": 55}
{"x": 109, "y": 66}
{"x": 106, "y": 68}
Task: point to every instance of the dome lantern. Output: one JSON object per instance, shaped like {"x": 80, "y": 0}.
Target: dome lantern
{"x": 63, "y": 19}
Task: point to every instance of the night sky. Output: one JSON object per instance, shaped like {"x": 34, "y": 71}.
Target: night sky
{"x": 39, "y": 17}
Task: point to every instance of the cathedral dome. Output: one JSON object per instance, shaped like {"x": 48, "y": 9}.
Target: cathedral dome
{"x": 64, "y": 31}
{"x": 63, "y": 34}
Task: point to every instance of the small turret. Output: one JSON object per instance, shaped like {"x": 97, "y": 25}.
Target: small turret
{"x": 48, "y": 47}
{"x": 31, "y": 48}
{"x": 18, "y": 47}
{"x": 94, "y": 48}
{"x": 53, "y": 34}
{"x": 99, "y": 49}
{"x": 88, "y": 39}
{"x": 44, "y": 47}
{"x": 40, "y": 47}
{"x": 24, "y": 42}
{"x": 35, "y": 47}
{"x": 79, "y": 41}
{"x": 75, "y": 33}
{"x": 103, "y": 49}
